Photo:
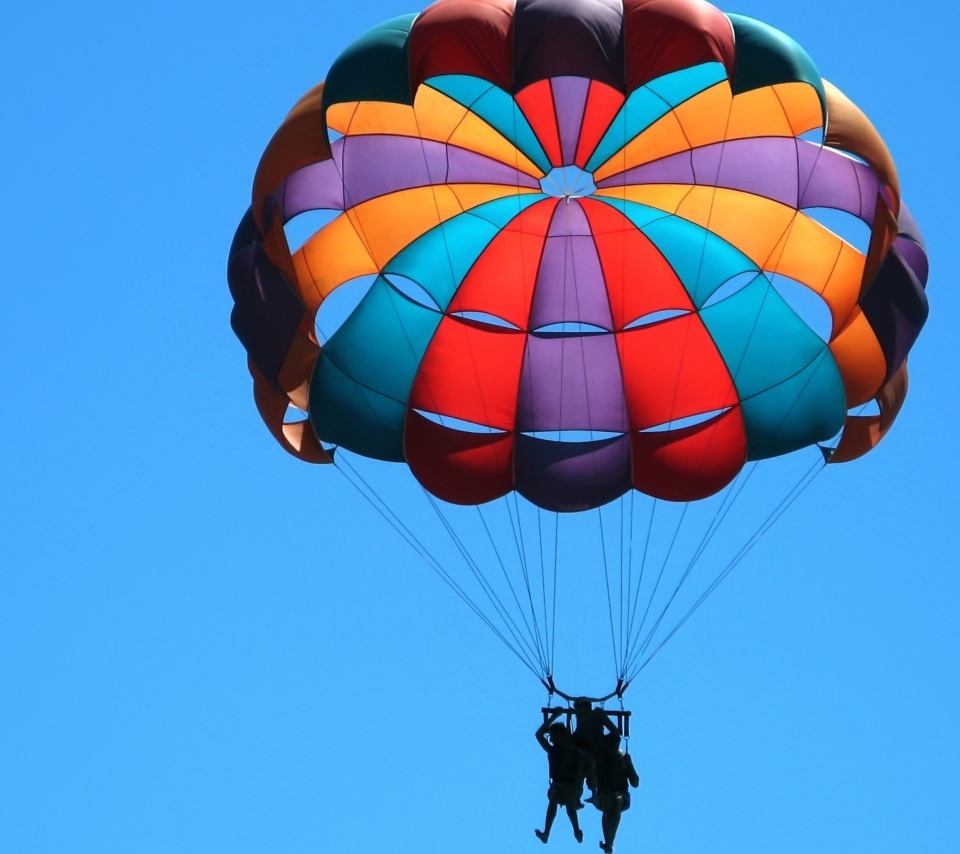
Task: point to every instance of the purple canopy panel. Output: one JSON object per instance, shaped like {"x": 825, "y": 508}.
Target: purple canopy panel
{"x": 910, "y": 245}
{"x": 915, "y": 257}
{"x": 675, "y": 169}
{"x": 267, "y": 312}
{"x": 569, "y": 219}
{"x": 571, "y": 476}
{"x": 560, "y": 38}
{"x": 571, "y": 383}
{"x": 570, "y": 287}
{"x": 896, "y": 307}
{"x": 313, "y": 188}
{"x": 468, "y": 167}
{"x": 765, "y": 167}
{"x": 770, "y": 167}
{"x": 907, "y": 226}
{"x": 364, "y": 167}
{"x": 829, "y": 179}
{"x": 375, "y": 165}
{"x": 706, "y": 164}
{"x": 570, "y": 98}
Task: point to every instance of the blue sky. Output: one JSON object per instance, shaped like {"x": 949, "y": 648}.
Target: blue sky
{"x": 207, "y": 646}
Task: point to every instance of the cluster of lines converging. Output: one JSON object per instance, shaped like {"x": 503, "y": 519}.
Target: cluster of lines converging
{"x": 653, "y": 563}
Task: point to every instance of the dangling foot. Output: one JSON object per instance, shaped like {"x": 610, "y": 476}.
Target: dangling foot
{"x": 578, "y": 835}
{"x": 607, "y": 849}
{"x": 543, "y": 837}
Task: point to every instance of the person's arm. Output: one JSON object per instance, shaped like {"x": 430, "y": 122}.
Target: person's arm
{"x": 541, "y": 733}
{"x": 632, "y": 774}
{"x": 608, "y": 724}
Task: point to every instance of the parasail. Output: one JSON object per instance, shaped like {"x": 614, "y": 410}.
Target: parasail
{"x": 585, "y": 254}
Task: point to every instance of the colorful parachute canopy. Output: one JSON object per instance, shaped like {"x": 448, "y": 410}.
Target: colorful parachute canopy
{"x": 581, "y": 223}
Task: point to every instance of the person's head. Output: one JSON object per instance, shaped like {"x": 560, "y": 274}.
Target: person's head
{"x": 582, "y": 706}
{"x": 558, "y": 733}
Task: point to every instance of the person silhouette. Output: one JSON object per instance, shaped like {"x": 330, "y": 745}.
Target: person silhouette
{"x": 567, "y": 771}
{"x": 591, "y": 725}
{"x": 615, "y": 771}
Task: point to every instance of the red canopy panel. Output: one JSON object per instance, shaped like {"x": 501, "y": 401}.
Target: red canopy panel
{"x": 471, "y": 371}
{"x": 502, "y": 279}
{"x": 472, "y": 37}
{"x": 666, "y": 35}
{"x": 462, "y": 468}
{"x": 673, "y": 370}
{"x": 536, "y": 102}
{"x": 640, "y": 281}
{"x": 693, "y": 462}
{"x": 603, "y": 104}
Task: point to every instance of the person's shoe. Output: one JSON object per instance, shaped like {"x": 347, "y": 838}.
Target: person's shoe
{"x": 541, "y": 836}
{"x": 607, "y": 849}
{"x": 578, "y": 835}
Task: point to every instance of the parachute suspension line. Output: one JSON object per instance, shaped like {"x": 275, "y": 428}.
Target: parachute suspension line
{"x": 553, "y": 619}
{"x": 729, "y": 499}
{"x": 731, "y": 494}
{"x": 474, "y": 567}
{"x": 606, "y": 576}
{"x": 621, "y": 673}
{"x": 643, "y": 563}
{"x": 485, "y": 585}
{"x": 534, "y": 638}
{"x": 726, "y": 506}
{"x": 511, "y": 625}
{"x": 801, "y": 486}
{"x": 624, "y": 729}
{"x": 820, "y": 461}
{"x": 663, "y": 567}
{"x": 516, "y": 526}
{"x": 543, "y": 589}
{"x": 525, "y": 569}
{"x": 622, "y": 502}
{"x": 378, "y": 504}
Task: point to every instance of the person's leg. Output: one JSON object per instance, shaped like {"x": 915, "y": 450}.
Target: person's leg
{"x": 575, "y": 821}
{"x": 544, "y": 835}
{"x": 610, "y": 822}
